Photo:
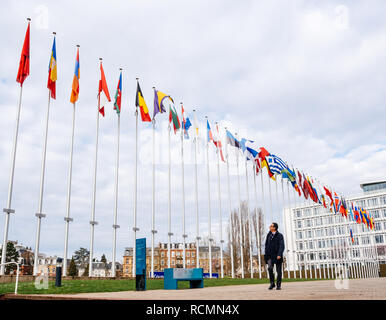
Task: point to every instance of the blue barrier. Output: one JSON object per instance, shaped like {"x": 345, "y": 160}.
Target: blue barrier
{"x": 214, "y": 275}
{"x": 173, "y": 275}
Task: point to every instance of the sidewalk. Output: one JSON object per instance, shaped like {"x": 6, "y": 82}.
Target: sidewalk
{"x": 359, "y": 289}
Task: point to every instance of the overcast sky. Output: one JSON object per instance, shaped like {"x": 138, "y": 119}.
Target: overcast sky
{"x": 304, "y": 79}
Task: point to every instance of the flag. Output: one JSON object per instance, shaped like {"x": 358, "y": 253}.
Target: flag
{"x": 342, "y": 208}
{"x": 103, "y": 88}
{"x": 141, "y": 104}
{"x": 263, "y": 154}
{"x": 217, "y": 142}
{"x": 173, "y": 118}
{"x": 357, "y": 216}
{"x": 352, "y": 212}
{"x": 186, "y": 124}
{"x": 118, "y": 95}
{"x": 232, "y": 140}
{"x": 247, "y": 146}
{"x": 336, "y": 203}
{"x": 23, "y": 71}
{"x": 208, "y": 131}
{"x": 159, "y": 98}
{"x": 329, "y": 194}
{"x": 351, "y": 236}
{"x": 257, "y": 165}
{"x": 75, "y": 80}
{"x": 276, "y": 165}
{"x": 52, "y": 72}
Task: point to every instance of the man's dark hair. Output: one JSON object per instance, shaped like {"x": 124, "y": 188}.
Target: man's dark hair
{"x": 275, "y": 225}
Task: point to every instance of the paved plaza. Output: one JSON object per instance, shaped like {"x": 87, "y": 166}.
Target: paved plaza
{"x": 358, "y": 289}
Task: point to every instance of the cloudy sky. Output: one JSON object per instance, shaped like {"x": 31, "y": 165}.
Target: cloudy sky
{"x": 305, "y": 79}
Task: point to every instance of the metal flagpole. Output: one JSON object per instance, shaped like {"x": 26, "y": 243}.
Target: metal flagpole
{"x": 230, "y": 211}
{"x": 240, "y": 219}
{"x": 196, "y": 195}
{"x": 184, "y": 235}
{"x": 67, "y": 218}
{"x": 257, "y": 221}
{"x": 135, "y": 228}
{"x": 92, "y": 221}
{"x": 264, "y": 208}
{"x": 209, "y": 211}
{"x": 292, "y": 236}
{"x": 298, "y": 257}
{"x": 153, "y": 230}
{"x": 286, "y": 240}
{"x": 39, "y": 214}
{"x": 115, "y": 224}
{"x": 249, "y": 219}
{"x": 169, "y": 202}
{"x": 270, "y": 201}
{"x": 219, "y": 206}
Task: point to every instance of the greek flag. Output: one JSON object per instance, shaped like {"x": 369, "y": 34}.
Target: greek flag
{"x": 276, "y": 164}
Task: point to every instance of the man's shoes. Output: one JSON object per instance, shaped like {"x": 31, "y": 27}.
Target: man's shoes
{"x": 271, "y": 286}
{"x": 278, "y": 286}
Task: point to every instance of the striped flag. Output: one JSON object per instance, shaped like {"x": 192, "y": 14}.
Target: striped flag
{"x": 118, "y": 96}
{"x": 141, "y": 104}
{"x": 23, "y": 71}
{"x": 52, "y": 72}
{"x": 103, "y": 89}
{"x": 75, "y": 81}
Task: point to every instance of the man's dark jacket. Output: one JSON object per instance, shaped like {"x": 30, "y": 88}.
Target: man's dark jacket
{"x": 274, "y": 247}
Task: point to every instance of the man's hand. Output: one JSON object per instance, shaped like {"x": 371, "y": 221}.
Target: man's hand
{"x": 278, "y": 257}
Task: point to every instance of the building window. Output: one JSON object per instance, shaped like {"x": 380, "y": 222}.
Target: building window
{"x": 379, "y": 238}
{"x": 299, "y": 223}
{"x": 188, "y": 254}
{"x": 375, "y": 213}
{"x": 298, "y": 213}
{"x": 193, "y": 254}
{"x": 377, "y": 226}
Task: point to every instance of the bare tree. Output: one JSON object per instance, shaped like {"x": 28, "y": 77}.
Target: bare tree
{"x": 234, "y": 235}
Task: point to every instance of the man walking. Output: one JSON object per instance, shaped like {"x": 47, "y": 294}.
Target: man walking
{"x": 274, "y": 248}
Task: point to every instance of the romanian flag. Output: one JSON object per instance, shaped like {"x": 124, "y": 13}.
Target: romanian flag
{"x": 173, "y": 118}
{"x": 103, "y": 89}
{"x": 118, "y": 95}
{"x": 159, "y": 98}
{"x": 141, "y": 104}
{"x": 52, "y": 72}
{"x": 75, "y": 80}
{"x": 23, "y": 71}
{"x": 351, "y": 236}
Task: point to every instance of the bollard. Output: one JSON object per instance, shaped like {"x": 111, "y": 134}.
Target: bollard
{"x": 58, "y": 277}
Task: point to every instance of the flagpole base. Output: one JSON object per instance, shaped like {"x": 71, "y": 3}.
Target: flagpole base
{"x": 94, "y": 223}
{"x": 40, "y": 215}
{"x": 8, "y": 210}
{"x": 67, "y": 219}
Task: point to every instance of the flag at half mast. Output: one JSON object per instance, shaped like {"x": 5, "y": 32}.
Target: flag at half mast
{"x": 141, "y": 104}
{"x": 52, "y": 72}
{"x": 118, "y": 95}
{"x": 23, "y": 71}
{"x": 103, "y": 89}
{"x": 75, "y": 80}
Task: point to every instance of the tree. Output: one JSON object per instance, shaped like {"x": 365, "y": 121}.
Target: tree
{"x": 81, "y": 257}
{"x": 85, "y": 273}
{"x": 72, "y": 269}
{"x": 11, "y": 256}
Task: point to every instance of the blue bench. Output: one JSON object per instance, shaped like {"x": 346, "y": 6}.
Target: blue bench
{"x": 173, "y": 275}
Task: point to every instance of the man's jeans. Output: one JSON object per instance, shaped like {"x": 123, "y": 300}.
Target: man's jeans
{"x": 278, "y": 264}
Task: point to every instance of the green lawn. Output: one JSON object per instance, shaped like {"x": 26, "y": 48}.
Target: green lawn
{"x": 79, "y": 286}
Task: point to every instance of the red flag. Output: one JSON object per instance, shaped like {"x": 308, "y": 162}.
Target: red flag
{"x": 103, "y": 87}
{"x": 23, "y": 71}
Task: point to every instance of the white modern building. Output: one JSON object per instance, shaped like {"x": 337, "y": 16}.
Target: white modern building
{"x": 318, "y": 240}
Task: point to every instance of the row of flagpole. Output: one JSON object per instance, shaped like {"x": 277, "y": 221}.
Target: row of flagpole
{"x": 103, "y": 90}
